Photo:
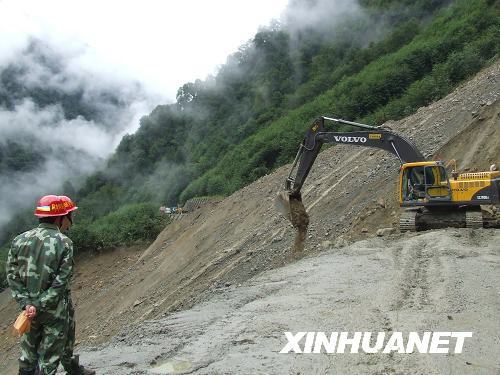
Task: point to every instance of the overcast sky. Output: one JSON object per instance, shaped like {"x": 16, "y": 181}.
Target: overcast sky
{"x": 162, "y": 43}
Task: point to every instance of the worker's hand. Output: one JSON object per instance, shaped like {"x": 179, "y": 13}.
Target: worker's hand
{"x": 30, "y": 311}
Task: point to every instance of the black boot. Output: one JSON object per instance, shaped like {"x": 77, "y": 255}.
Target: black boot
{"x": 26, "y": 371}
{"x": 77, "y": 369}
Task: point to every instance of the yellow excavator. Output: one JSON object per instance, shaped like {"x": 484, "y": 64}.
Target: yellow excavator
{"x": 430, "y": 199}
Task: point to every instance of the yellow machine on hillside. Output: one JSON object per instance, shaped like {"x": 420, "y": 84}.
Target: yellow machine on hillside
{"x": 430, "y": 198}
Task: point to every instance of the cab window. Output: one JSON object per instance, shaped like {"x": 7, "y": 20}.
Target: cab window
{"x": 414, "y": 183}
{"x": 422, "y": 182}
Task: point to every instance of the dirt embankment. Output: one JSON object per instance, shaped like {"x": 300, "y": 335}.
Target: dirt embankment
{"x": 350, "y": 193}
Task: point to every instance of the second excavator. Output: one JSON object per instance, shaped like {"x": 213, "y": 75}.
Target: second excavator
{"x": 429, "y": 198}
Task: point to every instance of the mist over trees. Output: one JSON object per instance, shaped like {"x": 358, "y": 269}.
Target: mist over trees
{"x": 56, "y": 123}
{"x": 371, "y": 61}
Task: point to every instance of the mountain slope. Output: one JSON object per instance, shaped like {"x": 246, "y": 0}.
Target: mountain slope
{"x": 229, "y": 242}
{"x": 227, "y": 131}
{"x": 435, "y": 281}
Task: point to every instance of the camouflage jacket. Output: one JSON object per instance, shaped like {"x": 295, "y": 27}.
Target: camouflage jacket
{"x": 40, "y": 267}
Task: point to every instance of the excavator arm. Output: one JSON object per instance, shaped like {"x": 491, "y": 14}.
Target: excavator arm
{"x": 371, "y": 136}
{"x": 289, "y": 203}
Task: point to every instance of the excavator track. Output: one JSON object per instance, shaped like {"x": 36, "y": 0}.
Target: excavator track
{"x": 407, "y": 221}
{"x": 473, "y": 219}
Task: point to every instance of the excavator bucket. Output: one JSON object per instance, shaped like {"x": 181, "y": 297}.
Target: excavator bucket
{"x": 282, "y": 204}
{"x": 293, "y": 209}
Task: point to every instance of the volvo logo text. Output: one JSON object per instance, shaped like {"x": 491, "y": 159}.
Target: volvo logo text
{"x": 350, "y": 139}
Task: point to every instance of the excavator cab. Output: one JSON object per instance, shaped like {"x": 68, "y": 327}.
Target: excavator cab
{"x": 423, "y": 183}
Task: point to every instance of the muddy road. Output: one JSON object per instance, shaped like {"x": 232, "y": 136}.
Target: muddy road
{"x": 444, "y": 280}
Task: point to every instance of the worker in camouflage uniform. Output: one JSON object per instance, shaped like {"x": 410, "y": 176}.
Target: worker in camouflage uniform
{"x": 39, "y": 271}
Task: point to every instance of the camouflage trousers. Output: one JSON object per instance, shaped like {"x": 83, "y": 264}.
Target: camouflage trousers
{"x": 44, "y": 344}
{"x": 67, "y": 360}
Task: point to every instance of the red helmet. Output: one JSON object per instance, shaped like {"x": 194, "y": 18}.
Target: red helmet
{"x": 53, "y": 205}
{"x": 68, "y": 203}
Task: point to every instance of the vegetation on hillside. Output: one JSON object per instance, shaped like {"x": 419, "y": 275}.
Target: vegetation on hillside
{"x": 231, "y": 129}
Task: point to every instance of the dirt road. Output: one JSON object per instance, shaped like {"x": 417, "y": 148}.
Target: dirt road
{"x": 436, "y": 281}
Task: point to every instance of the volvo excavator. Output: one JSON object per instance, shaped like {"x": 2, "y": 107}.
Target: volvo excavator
{"x": 429, "y": 198}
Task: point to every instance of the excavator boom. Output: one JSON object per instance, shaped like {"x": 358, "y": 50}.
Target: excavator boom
{"x": 373, "y": 136}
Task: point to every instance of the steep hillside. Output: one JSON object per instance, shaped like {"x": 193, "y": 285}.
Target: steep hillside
{"x": 349, "y": 194}
{"x": 371, "y": 62}
{"x": 361, "y": 60}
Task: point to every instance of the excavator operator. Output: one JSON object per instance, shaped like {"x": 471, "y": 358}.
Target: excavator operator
{"x": 416, "y": 183}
